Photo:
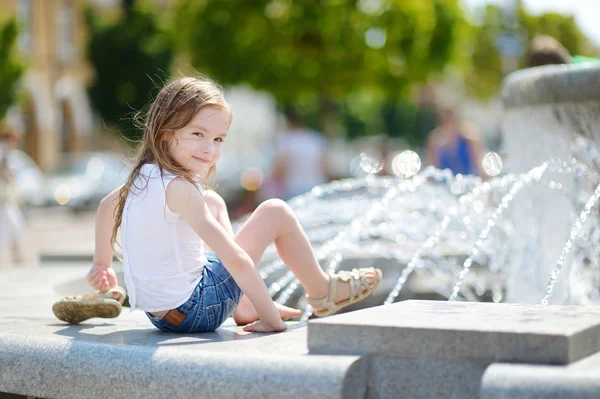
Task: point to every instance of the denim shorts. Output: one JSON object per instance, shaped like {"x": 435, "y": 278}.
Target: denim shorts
{"x": 214, "y": 299}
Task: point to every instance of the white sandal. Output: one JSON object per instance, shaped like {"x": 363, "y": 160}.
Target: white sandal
{"x": 75, "y": 309}
{"x": 357, "y": 280}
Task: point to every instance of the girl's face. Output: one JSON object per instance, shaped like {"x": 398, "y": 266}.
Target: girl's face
{"x": 197, "y": 146}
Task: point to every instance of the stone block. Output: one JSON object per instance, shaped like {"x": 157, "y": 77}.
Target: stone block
{"x": 516, "y": 381}
{"x": 485, "y": 332}
{"x": 58, "y": 368}
{"x": 397, "y": 377}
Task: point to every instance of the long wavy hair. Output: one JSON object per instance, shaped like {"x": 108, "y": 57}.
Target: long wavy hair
{"x": 174, "y": 107}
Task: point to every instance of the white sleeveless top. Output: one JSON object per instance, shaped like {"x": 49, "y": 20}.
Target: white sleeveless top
{"x": 163, "y": 257}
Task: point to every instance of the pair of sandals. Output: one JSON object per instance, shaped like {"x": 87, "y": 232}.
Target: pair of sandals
{"x": 75, "y": 309}
{"x": 359, "y": 290}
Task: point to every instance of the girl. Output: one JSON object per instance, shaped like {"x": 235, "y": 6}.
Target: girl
{"x": 168, "y": 220}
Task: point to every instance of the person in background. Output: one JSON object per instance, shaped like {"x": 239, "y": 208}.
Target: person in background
{"x": 301, "y": 160}
{"x": 455, "y": 145}
{"x": 545, "y": 50}
{"x": 11, "y": 219}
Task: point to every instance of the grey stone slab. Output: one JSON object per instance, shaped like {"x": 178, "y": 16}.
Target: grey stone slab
{"x": 127, "y": 357}
{"x": 580, "y": 379}
{"x": 485, "y": 332}
{"x": 510, "y": 381}
{"x": 551, "y": 84}
{"x": 61, "y": 369}
{"x": 397, "y": 377}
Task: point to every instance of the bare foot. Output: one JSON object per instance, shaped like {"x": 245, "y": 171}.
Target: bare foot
{"x": 246, "y": 314}
{"x": 343, "y": 288}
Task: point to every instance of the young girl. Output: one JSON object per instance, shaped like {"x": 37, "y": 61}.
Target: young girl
{"x": 169, "y": 220}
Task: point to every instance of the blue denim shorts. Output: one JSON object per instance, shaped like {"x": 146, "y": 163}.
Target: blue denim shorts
{"x": 214, "y": 299}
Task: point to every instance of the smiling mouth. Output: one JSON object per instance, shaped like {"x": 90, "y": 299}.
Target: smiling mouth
{"x": 201, "y": 160}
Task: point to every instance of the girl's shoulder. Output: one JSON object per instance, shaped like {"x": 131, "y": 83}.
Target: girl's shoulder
{"x": 153, "y": 171}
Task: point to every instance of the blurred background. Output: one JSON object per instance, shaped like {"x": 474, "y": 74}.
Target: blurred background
{"x": 320, "y": 90}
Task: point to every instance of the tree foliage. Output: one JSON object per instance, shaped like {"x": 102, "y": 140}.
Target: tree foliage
{"x": 11, "y": 69}
{"x": 127, "y": 55}
{"x": 484, "y": 72}
{"x": 327, "y": 54}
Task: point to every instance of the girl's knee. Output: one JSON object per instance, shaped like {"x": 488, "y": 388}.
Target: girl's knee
{"x": 276, "y": 207}
{"x": 215, "y": 202}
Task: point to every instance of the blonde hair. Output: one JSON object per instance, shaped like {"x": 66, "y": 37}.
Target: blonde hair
{"x": 174, "y": 107}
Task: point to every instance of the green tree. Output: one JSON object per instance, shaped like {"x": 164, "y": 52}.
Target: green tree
{"x": 561, "y": 27}
{"x": 484, "y": 71}
{"x": 128, "y": 55}
{"x": 327, "y": 55}
{"x": 11, "y": 69}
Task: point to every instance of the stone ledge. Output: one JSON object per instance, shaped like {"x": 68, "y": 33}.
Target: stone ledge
{"x": 60, "y": 369}
{"x": 485, "y": 332}
{"x": 509, "y": 381}
{"x": 127, "y": 357}
{"x": 551, "y": 84}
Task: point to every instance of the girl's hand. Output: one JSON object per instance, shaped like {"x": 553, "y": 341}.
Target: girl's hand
{"x": 102, "y": 278}
{"x": 261, "y": 327}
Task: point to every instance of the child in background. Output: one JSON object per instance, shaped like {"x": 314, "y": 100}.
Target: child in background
{"x": 182, "y": 264}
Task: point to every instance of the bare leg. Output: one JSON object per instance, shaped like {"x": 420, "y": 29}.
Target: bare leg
{"x": 274, "y": 221}
{"x": 245, "y": 312}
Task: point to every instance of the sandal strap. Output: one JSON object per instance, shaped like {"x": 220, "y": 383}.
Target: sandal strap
{"x": 329, "y": 300}
{"x": 356, "y": 280}
{"x": 109, "y": 294}
{"x": 119, "y": 290}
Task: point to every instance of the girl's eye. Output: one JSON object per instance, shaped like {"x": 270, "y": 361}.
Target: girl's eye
{"x": 219, "y": 139}
{"x": 197, "y": 134}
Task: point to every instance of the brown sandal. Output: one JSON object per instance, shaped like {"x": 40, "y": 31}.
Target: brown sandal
{"x": 357, "y": 281}
{"x": 75, "y": 309}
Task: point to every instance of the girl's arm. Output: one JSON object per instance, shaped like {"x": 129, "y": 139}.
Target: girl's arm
{"x": 218, "y": 208}
{"x": 101, "y": 276}
{"x": 183, "y": 198}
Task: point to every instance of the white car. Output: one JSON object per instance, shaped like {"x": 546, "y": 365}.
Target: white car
{"x": 81, "y": 180}
{"x": 28, "y": 177}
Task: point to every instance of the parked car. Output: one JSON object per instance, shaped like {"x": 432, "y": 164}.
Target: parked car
{"x": 28, "y": 177}
{"x": 81, "y": 180}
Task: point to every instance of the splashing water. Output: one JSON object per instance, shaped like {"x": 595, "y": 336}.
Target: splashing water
{"x": 434, "y": 229}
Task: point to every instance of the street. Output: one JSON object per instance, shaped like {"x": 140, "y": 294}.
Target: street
{"x": 54, "y": 233}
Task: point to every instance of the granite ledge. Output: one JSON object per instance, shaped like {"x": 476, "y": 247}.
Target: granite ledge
{"x": 52, "y": 367}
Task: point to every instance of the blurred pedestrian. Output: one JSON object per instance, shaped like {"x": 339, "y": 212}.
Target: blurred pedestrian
{"x": 301, "y": 160}
{"x": 455, "y": 145}
{"x": 11, "y": 218}
{"x": 546, "y": 50}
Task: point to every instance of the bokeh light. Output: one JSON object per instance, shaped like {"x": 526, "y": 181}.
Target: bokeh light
{"x": 492, "y": 164}
{"x": 371, "y": 7}
{"x": 251, "y": 179}
{"x": 406, "y": 164}
{"x": 375, "y": 38}
{"x": 478, "y": 206}
{"x": 371, "y": 162}
{"x": 62, "y": 194}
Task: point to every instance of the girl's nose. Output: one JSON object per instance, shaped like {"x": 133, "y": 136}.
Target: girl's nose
{"x": 209, "y": 149}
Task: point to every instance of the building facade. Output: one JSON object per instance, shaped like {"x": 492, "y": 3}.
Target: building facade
{"x": 54, "y": 116}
